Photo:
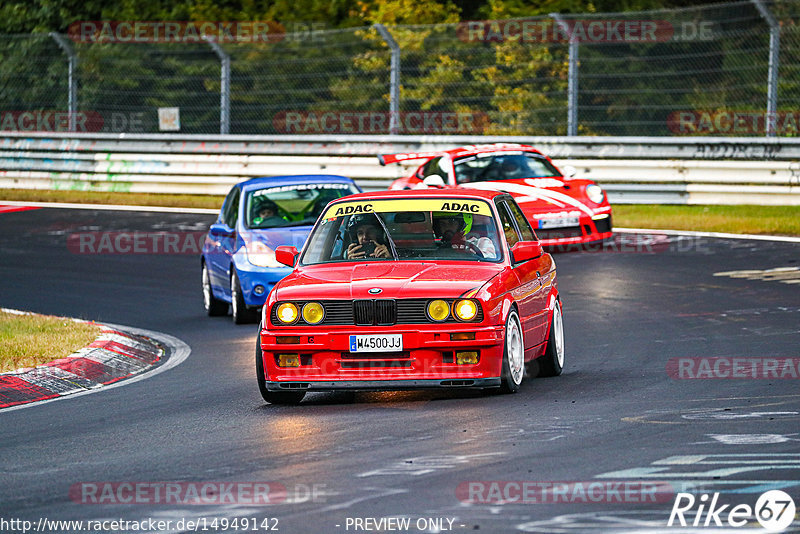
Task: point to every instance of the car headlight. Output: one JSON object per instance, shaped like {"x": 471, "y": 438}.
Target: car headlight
{"x": 438, "y": 310}
{"x": 466, "y": 310}
{"x": 595, "y": 193}
{"x": 287, "y": 313}
{"x": 313, "y": 313}
{"x": 261, "y": 255}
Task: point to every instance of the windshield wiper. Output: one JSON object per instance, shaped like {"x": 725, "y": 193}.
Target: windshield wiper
{"x": 388, "y": 237}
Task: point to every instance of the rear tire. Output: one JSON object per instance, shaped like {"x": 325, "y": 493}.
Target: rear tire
{"x": 513, "y": 355}
{"x": 552, "y": 362}
{"x": 272, "y": 397}
{"x": 241, "y": 313}
{"x": 213, "y": 306}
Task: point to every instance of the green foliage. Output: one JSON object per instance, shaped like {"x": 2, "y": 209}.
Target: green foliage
{"x": 520, "y": 87}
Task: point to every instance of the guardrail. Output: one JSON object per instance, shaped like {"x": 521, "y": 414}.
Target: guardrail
{"x": 633, "y": 170}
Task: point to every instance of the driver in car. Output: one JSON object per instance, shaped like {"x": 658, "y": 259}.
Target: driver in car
{"x": 267, "y": 214}
{"x": 455, "y": 230}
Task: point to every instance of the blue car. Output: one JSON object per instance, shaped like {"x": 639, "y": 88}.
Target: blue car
{"x": 258, "y": 215}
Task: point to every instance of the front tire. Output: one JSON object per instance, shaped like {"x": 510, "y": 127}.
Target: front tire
{"x": 213, "y": 306}
{"x": 513, "y": 355}
{"x": 240, "y": 311}
{"x": 272, "y": 397}
{"x": 552, "y": 363}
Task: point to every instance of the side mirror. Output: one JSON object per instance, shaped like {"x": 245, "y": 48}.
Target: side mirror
{"x": 286, "y": 255}
{"x": 526, "y": 250}
{"x": 221, "y": 230}
{"x": 434, "y": 180}
{"x": 569, "y": 171}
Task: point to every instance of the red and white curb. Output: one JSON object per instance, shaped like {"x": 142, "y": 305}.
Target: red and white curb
{"x": 120, "y": 355}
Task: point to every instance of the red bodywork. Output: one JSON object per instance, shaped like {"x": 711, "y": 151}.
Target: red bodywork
{"x": 551, "y": 204}
{"x": 428, "y": 348}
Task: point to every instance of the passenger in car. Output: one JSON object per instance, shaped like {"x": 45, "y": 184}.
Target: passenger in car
{"x": 455, "y": 230}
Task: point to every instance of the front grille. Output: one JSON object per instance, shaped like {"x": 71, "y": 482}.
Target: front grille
{"x": 385, "y": 312}
{"x": 363, "y": 312}
{"x": 367, "y": 312}
{"x": 404, "y": 355}
{"x": 603, "y": 225}
{"x": 391, "y": 364}
{"x": 412, "y": 312}
{"x": 374, "y": 312}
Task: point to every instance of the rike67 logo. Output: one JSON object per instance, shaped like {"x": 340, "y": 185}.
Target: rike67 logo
{"x": 774, "y": 511}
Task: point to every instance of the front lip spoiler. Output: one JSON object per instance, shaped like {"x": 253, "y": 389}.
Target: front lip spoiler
{"x": 384, "y": 385}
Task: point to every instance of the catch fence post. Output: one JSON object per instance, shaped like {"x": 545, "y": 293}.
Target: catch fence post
{"x": 572, "y": 76}
{"x": 224, "y": 87}
{"x": 394, "y": 82}
{"x": 72, "y": 97}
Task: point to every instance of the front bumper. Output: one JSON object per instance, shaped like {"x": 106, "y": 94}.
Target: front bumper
{"x": 589, "y": 230}
{"x": 382, "y": 385}
{"x": 428, "y": 359}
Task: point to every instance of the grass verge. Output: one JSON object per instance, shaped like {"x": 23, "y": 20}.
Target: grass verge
{"x": 767, "y": 220}
{"x": 125, "y": 199}
{"x": 29, "y": 340}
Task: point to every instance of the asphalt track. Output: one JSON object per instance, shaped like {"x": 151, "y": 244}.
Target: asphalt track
{"x": 615, "y": 414}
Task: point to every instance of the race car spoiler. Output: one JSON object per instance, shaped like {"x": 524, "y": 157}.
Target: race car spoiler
{"x": 385, "y": 159}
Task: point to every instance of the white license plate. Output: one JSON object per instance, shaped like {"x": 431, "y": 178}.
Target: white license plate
{"x": 558, "y": 223}
{"x": 376, "y": 343}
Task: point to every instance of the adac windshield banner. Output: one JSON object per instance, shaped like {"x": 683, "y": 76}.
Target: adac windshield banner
{"x": 457, "y": 205}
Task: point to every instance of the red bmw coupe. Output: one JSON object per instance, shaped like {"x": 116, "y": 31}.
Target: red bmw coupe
{"x": 412, "y": 289}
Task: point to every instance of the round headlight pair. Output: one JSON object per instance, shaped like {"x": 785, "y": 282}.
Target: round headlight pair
{"x": 313, "y": 313}
{"x": 464, "y": 310}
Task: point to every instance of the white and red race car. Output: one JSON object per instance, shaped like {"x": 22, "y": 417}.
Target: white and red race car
{"x": 562, "y": 210}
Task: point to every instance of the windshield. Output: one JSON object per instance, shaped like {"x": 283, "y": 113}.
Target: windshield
{"x": 502, "y": 166}
{"x": 401, "y": 229}
{"x": 291, "y": 205}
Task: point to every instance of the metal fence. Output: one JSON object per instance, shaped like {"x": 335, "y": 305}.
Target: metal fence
{"x": 720, "y": 70}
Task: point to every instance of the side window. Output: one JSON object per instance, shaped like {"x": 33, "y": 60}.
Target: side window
{"x": 231, "y": 208}
{"x": 226, "y": 204}
{"x": 432, "y": 167}
{"x": 522, "y": 223}
{"x": 507, "y": 222}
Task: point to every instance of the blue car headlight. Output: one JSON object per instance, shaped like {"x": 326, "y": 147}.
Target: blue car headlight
{"x": 261, "y": 255}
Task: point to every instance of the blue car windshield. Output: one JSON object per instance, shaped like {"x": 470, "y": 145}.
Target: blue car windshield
{"x": 291, "y": 205}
